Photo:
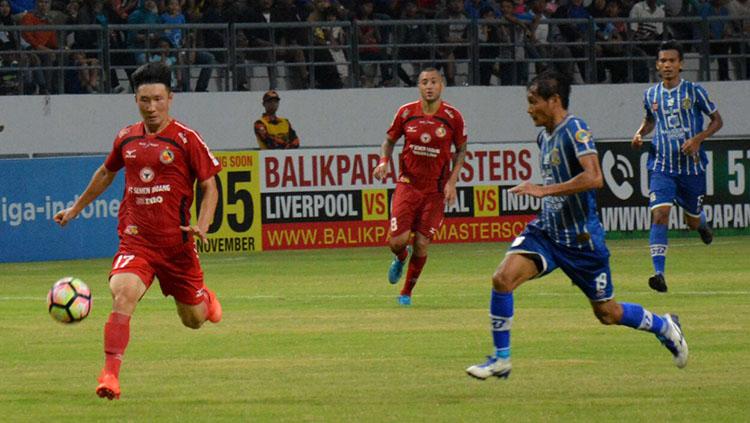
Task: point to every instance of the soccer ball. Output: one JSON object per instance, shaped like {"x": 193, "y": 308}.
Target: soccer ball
{"x": 69, "y": 300}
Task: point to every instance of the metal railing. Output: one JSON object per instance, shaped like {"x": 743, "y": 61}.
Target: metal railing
{"x": 355, "y": 54}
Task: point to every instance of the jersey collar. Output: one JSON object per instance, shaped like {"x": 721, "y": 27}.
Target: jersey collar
{"x": 669, "y": 90}
{"x": 560, "y": 125}
{"x": 146, "y": 134}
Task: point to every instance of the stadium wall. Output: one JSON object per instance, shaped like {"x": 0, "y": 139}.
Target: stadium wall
{"x": 88, "y": 123}
{"x": 327, "y": 198}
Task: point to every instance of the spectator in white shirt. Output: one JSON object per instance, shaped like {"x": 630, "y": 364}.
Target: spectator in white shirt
{"x": 648, "y": 32}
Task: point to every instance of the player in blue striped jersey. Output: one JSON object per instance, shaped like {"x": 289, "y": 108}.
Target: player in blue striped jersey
{"x": 567, "y": 233}
{"x": 676, "y": 160}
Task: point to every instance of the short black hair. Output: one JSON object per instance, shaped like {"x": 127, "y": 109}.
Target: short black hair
{"x": 152, "y": 73}
{"x": 670, "y": 45}
{"x": 550, "y": 83}
{"x": 429, "y": 69}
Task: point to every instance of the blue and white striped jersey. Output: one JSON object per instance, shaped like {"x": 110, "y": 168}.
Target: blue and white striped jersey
{"x": 569, "y": 220}
{"x": 678, "y": 114}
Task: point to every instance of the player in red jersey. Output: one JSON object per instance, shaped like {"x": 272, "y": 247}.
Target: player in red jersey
{"x": 162, "y": 160}
{"x": 428, "y": 172}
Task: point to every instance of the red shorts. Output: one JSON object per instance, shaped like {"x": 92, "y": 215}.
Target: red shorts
{"x": 178, "y": 269}
{"x": 416, "y": 211}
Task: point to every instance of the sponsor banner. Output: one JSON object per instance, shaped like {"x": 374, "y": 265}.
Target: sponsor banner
{"x": 501, "y": 164}
{"x": 351, "y": 168}
{"x": 375, "y": 204}
{"x": 33, "y": 190}
{"x": 300, "y": 236}
{"x": 486, "y": 201}
{"x": 322, "y": 170}
{"x": 623, "y": 202}
{"x": 464, "y": 205}
{"x": 236, "y": 227}
{"x": 325, "y": 198}
{"x": 512, "y": 204}
{"x": 312, "y": 206}
{"x": 481, "y": 229}
{"x": 638, "y": 218}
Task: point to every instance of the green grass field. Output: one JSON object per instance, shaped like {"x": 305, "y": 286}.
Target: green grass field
{"x": 318, "y": 336}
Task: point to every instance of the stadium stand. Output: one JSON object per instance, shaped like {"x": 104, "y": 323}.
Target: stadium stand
{"x": 286, "y": 44}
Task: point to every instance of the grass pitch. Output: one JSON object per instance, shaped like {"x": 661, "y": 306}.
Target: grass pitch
{"x": 318, "y": 336}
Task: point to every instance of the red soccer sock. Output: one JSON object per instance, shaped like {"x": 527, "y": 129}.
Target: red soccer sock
{"x": 116, "y": 337}
{"x": 415, "y": 269}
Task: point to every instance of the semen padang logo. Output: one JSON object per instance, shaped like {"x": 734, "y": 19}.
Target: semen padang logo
{"x": 620, "y": 166}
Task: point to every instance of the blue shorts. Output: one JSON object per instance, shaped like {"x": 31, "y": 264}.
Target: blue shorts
{"x": 589, "y": 270}
{"x": 687, "y": 191}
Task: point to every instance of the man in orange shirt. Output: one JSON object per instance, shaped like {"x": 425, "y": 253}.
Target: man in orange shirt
{"x": 43, "y": 41}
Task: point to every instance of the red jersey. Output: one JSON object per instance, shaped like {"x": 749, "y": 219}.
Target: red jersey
{"x": 160, "y": 172}
{"x": 426, "y": 157}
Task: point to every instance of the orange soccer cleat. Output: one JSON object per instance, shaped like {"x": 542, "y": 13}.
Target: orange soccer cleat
{"x": 109, "y": 386}
{"x": 214, "y": 307}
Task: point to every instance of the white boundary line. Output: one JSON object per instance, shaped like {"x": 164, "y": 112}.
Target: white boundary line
{"x": 348, "y": 296}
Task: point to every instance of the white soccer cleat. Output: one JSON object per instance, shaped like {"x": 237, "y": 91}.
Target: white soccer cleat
{"x": 494, "y": 366}
{"x": 674, "y": 341}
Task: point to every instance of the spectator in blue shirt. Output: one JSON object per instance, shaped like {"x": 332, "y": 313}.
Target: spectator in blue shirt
{"x": 140, "y": 39}
{"x": 718, "y": 30}
{"x": 178, "y": 40}
{"x": 21, "y": 6}
{"x": 173, "y": 16}
{"x": 474, "y": 8}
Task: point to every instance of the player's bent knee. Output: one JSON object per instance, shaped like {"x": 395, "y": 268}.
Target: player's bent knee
{"x": 125, "y": 301}
{"x": 501, "y": 282}
{"x": 396, "y": 246}
{"x": 397, "y": 243}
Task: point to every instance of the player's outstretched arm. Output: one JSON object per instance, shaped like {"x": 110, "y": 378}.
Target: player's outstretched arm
{"x": 591, "y": 178}
{"x": 646, "y": 127}
{"x": 692, "y": 146}
{"x": 386, "y": 151}
{"x": 207, "y": 209}
{"x": 100, "y": 181}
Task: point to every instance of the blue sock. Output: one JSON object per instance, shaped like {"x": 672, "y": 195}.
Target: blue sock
{"x": 658, "y": 244}
{"x": 702, "y": 225}
{"x": 637, "y": 317}
{"x": 501, "y": 313}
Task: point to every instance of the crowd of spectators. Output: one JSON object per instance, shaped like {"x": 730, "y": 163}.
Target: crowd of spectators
{"x": 514, "y": 37}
